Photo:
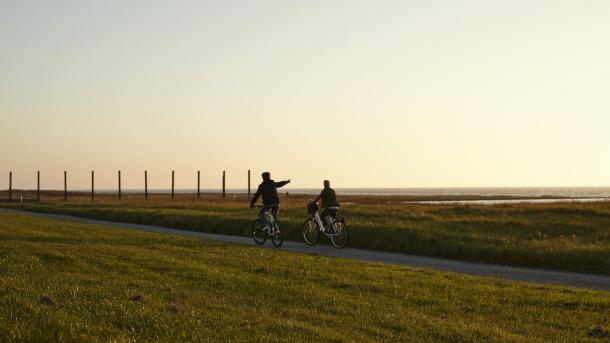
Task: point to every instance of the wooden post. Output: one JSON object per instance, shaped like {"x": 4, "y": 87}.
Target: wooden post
{"x": 223, "y": 183}
{"x": 10, "y": 186}
{"x": 119, "y": 185}
{"x": 65, "y": 185}
{"x": 248, "y": 184}
{"x": 145, "y": 184}
{"x": 198, "y": 184}
{"x": 38, "y": 185}
{"x": 172, "y": 184}
{"x": 92, "y": 186}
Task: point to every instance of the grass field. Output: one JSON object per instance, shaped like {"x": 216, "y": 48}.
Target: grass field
{"x": 564, "y": 236}
{"x": 63, "y": 281}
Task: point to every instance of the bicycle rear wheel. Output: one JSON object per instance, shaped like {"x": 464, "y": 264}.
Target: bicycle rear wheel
{"x": 339, "y": 236}
{"x": 311, "y": 232}
{"x": 278, "y": 238}
{"x": 258, "y": 234}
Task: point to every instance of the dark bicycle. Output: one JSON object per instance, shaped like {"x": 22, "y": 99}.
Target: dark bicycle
{"x": 271, "y": 229}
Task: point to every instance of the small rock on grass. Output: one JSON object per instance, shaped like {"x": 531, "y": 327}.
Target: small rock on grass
{"x": 598, "y": 331}
{"x": 469, "y": 309}
{"x": 47, "y": 301}
{"x": 137, "y": 298}
{"x": 261, "y": 270}
{"x": 176, "y": 309}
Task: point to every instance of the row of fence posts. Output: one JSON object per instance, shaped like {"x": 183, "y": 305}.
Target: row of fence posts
{"x": 10, "y": 185}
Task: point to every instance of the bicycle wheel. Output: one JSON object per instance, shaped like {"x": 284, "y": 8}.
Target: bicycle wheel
{"x": 278, "y": 238}
{"x": 339, "y": 235}
{"x": 311, "y": 232}
{"x": 258, "y": 234}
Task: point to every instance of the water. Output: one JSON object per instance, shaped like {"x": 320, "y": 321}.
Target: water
{"x": 504, "y": 201}
{"x": 524, "y": 192}
{"x": 543, "y": 195}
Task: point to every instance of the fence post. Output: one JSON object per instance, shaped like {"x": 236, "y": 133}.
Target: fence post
{"x": 119, "y": 185}
{"x": 38, "y": 185}
{"x": 146, "y": 184}
{"x": 248, "y": 184}
{"x": 92, "y": 186}
{"x": 198, "y": 184}
{"x": 10, "y": 186}
{"x": 223, "y": 183}
{"x": 172, "y": 184}
{"x": 65, "y": 185}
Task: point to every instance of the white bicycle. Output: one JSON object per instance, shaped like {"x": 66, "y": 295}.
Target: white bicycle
{"x": 336, "y": 229}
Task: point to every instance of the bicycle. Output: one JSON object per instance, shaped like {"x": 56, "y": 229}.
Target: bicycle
{"x": 336, "y": 229}
{"x": 271, "y": 230}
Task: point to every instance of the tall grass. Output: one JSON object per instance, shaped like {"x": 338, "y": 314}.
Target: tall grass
{"x": 569, "y": 236}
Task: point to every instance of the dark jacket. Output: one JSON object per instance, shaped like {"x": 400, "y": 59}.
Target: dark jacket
{"x": 328, "y": 197}
{"x": 268, "y": 189}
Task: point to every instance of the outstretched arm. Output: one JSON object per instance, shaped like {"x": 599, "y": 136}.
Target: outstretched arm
{"x": 282, "y": 183}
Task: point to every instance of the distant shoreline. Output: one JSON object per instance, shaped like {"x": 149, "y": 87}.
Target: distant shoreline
{"x": 457, "y": 196}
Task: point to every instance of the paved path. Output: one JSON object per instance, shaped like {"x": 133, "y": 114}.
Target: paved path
{"x": 580, "y": 280}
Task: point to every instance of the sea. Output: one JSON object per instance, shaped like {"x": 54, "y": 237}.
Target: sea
{"x": 542, "y": 195}
{"x": 525, "y": 192}
{"x": 528, "y": 192}
{"x": 535, "y": 194}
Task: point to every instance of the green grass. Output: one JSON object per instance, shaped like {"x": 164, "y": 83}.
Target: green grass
{"x": 108, "y": 284}
{"x": 569, "y": 236}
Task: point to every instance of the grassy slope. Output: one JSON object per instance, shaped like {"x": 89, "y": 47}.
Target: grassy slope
{"x": 198, "y": 290}
{"x": 567, "y": 236}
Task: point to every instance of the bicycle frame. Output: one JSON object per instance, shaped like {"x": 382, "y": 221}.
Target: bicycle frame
{"x": 321, "y": 227}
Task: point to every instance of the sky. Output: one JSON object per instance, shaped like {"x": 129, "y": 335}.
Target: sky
{"x": 434, "y": 93}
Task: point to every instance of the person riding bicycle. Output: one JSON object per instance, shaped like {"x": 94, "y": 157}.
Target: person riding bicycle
{"x": 329, "y": 203}
{"x": 268, "y": 190}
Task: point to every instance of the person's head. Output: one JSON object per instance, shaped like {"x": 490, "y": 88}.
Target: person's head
{"x": 326, "y": 184}
{"x": 266, "y": 176}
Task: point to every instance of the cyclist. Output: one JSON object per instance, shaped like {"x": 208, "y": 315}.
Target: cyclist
{"x": 268, "y": 190}
{"x": 329, "y": 205}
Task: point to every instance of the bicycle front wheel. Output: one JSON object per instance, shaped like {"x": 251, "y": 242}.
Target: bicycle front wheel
{"x": 311, "y": 232}
{"x": 278, "y": 238}
{"x": 258, "y": 234}
{"x": 339, "y": 234}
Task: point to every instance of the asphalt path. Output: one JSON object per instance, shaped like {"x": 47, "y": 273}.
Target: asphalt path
{"x": 540, "y": 276}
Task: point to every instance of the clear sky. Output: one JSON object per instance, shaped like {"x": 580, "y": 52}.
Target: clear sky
{"x": 430, "y": 93}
